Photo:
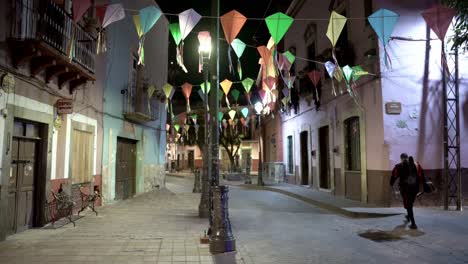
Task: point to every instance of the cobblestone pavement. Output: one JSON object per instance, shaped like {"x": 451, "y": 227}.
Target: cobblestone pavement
{"x": 158, "y": 227}
{"x": 163, "y": 227}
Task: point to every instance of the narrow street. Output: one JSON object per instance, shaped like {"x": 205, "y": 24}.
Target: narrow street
{"x": 163, "y": 227}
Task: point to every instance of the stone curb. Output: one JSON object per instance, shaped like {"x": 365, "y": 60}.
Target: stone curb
{"x": 326, "y": 206}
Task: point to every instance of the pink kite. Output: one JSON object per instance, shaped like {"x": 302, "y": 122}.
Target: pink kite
{"x": 187, "y": 90}
{"x": 232, "y": 23}
{"x": 438, "y": 18}
{"x": 265, "y": 53}
{"x": 79, "y": 8}
{"x": 270, "y": 81}
{"x": 314, "y": 76}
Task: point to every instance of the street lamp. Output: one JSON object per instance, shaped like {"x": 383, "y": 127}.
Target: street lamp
{"x": 204, "y": 51}
{"x": 258, "y": 109}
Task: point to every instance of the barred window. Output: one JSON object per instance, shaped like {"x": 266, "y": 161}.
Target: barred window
{"x": 352, "y": 144}
{"x": 290, "y": 155}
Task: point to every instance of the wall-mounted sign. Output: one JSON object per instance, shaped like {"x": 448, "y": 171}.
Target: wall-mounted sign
{"x": 393, "y": 108}
{"x": 64, "y": 106}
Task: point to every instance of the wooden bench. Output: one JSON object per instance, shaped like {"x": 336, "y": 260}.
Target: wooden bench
{"x": 61, "y": 206}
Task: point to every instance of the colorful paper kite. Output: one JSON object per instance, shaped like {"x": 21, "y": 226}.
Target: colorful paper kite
{"x": 245, "y": 112}
{"x": 144, "y": 21}
{"x": 335, "y": 26}
{"x": 314, "y": 76}
{"x": 270, "y": 81}
{"x": 235, "y": 94}
{"x": 278, "y": 24}
{"x": 79, "y": 8}
{"x": 291, "y": 58}
{"x": 114, "y": 12}
{"x": 167, "y": 88}
{"x": 289, "y": 81}
{"x": 226, "y": 86}
{"x": 348, "y": 73}
{"x": 187, "y": 90}
{"x": 330, "y": 67}
{"x": 220, "y": 116}
{"x": 358, "y": 72}
{"x": 247, "y": 83}
{"x": 187, "y": 21}
{"x": 265, "y": 53}
{"x": 262, "y": 94}
{"x": 383, "y": 22}
{"x": 232, "y": 23}
{"x": 175, "y": 32}
{"x": 232, "y": 114}
{"x": 438, "y": 18}
{"x": 285, "y": 92}
{"x": 202, "y": 86}
{"x": 239, "y": 47}
{"x": 202, "y": 95}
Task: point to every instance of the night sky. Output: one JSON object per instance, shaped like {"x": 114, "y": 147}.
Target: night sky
{"x": 254, "y": 33}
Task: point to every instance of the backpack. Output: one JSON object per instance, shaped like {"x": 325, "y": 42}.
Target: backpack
{"x": 412, "y": 179}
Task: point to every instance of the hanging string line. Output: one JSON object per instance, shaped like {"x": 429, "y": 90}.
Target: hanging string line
{"x": 296, "y": 19}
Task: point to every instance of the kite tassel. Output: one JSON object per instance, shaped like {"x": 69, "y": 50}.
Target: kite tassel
{"x": 239, "y": 69}
{"x": 230, "y": 59}
{"x": 188, "y": 106}
{"x": 388, "y": 60}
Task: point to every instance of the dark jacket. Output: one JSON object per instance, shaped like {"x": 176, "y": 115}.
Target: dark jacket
{"x": 402, "y": 171}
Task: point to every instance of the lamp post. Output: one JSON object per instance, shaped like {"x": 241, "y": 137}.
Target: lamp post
{"x": 205, "y": 54}
{"x": 221, "y": 238}
{"x": 258, "y": 109}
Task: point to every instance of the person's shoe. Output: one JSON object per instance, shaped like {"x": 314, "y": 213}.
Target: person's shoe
{"x": 413, "y": 226}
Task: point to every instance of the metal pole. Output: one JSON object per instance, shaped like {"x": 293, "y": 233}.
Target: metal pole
{"x": 204, "y": 206}
{"x": 221, "y": 238}
{"x": 444, "y": 111}
{"x": 457, "y": 99}
{"x": 260, "y": 163}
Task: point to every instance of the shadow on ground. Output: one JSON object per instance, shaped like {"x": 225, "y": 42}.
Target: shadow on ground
{"x": 398, "y": 233}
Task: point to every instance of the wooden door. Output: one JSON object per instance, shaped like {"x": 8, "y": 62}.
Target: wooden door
{"x": 304, "y": 158}
{"x": 81, "y": 166}
{"x": 22, "y": 178}
{"x": 125, "y": 174}
{"x": 324, "y": 158}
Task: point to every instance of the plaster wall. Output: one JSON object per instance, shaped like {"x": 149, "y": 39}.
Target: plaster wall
{"x": 150, "y": 137}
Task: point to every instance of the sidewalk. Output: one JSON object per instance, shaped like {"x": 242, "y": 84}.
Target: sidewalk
{"x": 161, "y": 226}
{"x": 339, "y": 205}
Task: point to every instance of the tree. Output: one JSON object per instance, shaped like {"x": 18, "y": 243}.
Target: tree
{"x": 231, "y": 141}
{"x": 460, "y": 38}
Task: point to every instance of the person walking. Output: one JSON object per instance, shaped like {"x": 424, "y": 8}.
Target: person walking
{"x": 410, "y": 176}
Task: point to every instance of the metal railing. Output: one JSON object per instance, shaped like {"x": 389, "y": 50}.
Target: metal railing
{"x": 274, "y": 172}
{"x": 50, "y": 23}
{"x": 137, "y": 101}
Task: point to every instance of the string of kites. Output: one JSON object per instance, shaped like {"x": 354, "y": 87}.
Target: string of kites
{"x": 272, "y": 63}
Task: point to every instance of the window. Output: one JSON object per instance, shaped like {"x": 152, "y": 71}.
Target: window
{"x": 290, "y": 155}
{"x": 352, "y": 144}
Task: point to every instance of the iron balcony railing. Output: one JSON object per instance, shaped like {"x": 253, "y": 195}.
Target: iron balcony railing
{"x": 50, "y": 23}
{"x": 139, "y": 106}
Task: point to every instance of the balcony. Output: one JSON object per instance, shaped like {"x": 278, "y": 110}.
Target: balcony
{"x": 139, "y": 107}
{"x": 42, "y": 36}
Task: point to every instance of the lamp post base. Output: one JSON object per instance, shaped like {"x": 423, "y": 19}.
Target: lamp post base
{"x": 221, "y": 239}
{"x": 196, "y": 182}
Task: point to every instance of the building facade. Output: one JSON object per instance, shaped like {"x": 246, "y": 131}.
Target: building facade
{"x": 134, "y": 142}
{"x": 51, "y": 123}
{"x": 348, "y": 148}
{"x": 68, "y": 114}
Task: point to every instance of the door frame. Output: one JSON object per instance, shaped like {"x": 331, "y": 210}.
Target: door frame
{"x": 45, "y": 120}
